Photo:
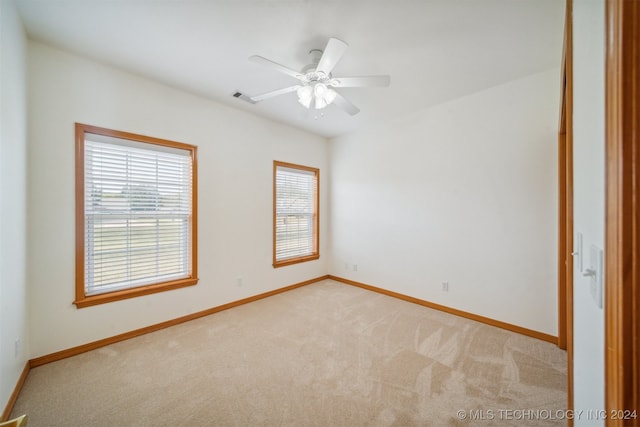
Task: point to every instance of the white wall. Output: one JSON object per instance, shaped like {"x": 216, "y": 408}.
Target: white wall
{"x": 464, "y": 192}
{"x": 235, "y": 159}
{"x": 589, "y": 181}
{"x": 13, "y": 208}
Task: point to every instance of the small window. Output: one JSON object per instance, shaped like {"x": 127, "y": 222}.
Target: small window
{"x": 135, "y": 215}
{"x": 295, "y": 221}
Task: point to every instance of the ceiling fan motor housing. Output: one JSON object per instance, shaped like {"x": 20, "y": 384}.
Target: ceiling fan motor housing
{"x": 309, "y": 71}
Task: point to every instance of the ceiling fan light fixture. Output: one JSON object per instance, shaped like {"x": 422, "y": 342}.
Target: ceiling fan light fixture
{"x": 323, "y": 95}
{"x": 320, "y": 90}
{"x": 330, "y": 96}
{"x": 320, "y": 103}
{"x": 319, "y": 93}
{"x": 305, "y": 95}
{"x": 306, "y": 103}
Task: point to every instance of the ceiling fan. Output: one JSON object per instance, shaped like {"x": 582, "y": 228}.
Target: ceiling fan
{"x": 317, "y": 85}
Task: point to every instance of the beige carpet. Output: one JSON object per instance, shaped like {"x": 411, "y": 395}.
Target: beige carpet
{"x": 326, "y": 354}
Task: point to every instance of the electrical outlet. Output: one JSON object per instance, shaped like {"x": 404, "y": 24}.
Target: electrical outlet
{"x": 239, "y": 281}
{"x": 355, "y": 267}
{"x": 445, "y": 286}
{"x": 16, "y": 348}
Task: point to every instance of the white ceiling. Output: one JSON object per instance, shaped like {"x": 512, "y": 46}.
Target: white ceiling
{"x": 434, "y": 50}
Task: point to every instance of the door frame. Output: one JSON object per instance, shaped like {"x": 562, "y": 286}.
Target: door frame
{"x": 565, "y": 205}
{"x": 622, "y": 204}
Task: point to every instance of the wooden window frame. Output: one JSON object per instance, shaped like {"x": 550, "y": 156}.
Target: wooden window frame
{"x": 82, "y": 300}
{"x": 316, "y": 217}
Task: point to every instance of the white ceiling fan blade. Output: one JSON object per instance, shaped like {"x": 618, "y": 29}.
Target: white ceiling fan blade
{"x": 332, "y": 53}
{"x": 276, "y": 66}
{"x": 344, "y": 104}
{"x": 364, "y": 81}
{"x": 273, "y": 93}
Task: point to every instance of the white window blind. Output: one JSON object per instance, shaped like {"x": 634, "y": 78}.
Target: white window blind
{"x": 296, "y": 216}
{"x": 138, "y": 211}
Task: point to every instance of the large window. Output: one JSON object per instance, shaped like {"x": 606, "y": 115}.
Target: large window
{"x": 135, "y": 215}
{"x": 295, "y": 217}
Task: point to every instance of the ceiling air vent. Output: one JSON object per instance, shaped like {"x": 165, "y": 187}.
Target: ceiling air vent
{"x": 242, "y": 96}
